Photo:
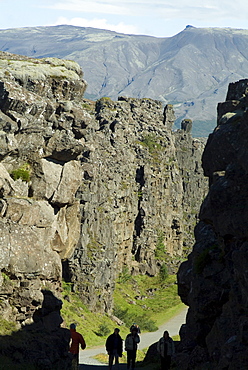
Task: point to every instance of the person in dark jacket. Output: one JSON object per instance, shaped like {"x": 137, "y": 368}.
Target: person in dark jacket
{"x": 76, "y": 340}
{"x": 135, "y": 326}
{"x": 131, "y": 345}
{"x": 114, "y": 347}
{"x": 166, "y": 349}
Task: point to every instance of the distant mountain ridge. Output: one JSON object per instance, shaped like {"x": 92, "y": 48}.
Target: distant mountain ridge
{"x": 190, "y": 70}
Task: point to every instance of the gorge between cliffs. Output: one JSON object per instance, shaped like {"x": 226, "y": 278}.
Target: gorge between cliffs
{"x": 89, "y": 189}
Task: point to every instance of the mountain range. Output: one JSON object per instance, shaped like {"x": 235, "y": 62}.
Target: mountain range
{"x": 190, "y": 70}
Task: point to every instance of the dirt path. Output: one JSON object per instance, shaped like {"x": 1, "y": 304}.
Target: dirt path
{"x": 173, "y": 325}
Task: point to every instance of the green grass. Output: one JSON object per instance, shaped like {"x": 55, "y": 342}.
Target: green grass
{"x": 148, "y": 301}
{"x": 159, "y": 300}
{"x": 162, "y": 304}
{"x": 89, "y": 324}
{"x": 22, "y": 173}
{"x": 151, "y": 141}
{"x": 103, "y": 357}
{"x": 7, "y": 327}
{"x": 160, "y": 252}
{"x": 159, "y": 303}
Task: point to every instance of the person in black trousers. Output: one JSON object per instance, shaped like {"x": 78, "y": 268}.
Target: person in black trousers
{"x": 131, "y": 345}
{"x": 114, "y": 347}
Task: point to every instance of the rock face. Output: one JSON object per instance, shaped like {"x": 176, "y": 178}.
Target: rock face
{"x": 213, "y": 282}
{"x": 40, "y": 345}
{"x": 87, "y": 188}
{"x": 139, "y": 196}
{"x": 39, "y": 177}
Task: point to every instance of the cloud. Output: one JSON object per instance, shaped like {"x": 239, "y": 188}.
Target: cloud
{"x": 95, "y": 6}
{"x": 203, "y": 11}
{"x": 121, "y": 27}
{"x": 157, "y": 8}
{"x": 207, "y": 11}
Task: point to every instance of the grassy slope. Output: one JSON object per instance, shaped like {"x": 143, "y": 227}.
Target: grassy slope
{"x": 147, "y": 301}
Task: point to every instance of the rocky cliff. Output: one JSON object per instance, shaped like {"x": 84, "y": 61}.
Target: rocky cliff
{"x": 213, "y": 282}
{"x": 87, "y": 188}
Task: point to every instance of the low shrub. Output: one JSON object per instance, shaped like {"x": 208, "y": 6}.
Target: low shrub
{"x": 22, "y": 173}
{"x": 163, "y": 273}
{"x": 103, "y": 330}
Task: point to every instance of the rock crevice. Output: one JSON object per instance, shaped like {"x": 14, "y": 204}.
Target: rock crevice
{"x": 87, "y": 188}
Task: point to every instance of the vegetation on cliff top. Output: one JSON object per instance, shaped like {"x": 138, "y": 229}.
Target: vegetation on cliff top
{"x": 40, "y": 69}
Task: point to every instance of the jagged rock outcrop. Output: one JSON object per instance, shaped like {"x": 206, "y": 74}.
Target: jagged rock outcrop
{"x": 213, "y": 282}
{"x": 87, "y": 188}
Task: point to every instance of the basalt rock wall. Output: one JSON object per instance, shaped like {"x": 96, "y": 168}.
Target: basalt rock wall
{"x": 87, "y": 189}
{"x": 214, "y": 281}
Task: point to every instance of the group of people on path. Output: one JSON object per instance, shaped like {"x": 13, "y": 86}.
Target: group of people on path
{"x": 114, "y": 347}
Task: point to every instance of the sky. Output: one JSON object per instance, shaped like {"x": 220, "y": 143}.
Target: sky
{"x": 160, "y": 18}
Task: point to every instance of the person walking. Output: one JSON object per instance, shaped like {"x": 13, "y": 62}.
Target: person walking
{"x": 166, "y": 350}
{"x": 135, "y": 326}
{"x": 131, "y": 345}
{"x": 114, "y": 347}
{"x": 76, "y": 340}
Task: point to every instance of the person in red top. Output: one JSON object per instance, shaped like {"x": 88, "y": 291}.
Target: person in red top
{"x": 76, "y": 339}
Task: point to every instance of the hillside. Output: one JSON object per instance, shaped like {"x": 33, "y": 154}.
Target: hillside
{"x": 190, "y": 70}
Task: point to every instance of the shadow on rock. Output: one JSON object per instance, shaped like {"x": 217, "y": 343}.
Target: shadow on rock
{"x": 42, "y": 345}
